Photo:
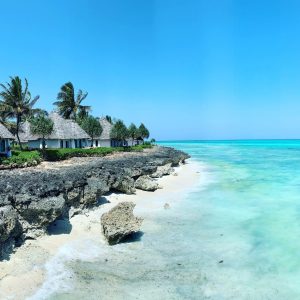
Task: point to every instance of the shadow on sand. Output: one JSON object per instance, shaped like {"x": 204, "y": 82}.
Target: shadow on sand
{"x": 133, "y": 238}
{"x": 59, "y": 227}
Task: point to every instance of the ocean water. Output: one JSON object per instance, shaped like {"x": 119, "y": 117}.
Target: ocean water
{"x": 236, "y": 235}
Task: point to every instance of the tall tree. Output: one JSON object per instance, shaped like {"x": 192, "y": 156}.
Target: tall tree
{"x": 91, "y": 126}
{"x": 42, "y": 126}
{"x": 133, "y": 132}
{"x": 143, "y": 132}
{"x": 119, "y": 131}
{"x": 16, "y": 103}
{"x": 70, "y": 105}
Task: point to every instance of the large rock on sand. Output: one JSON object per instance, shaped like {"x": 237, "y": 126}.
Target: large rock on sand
{"x": 119, "y": 223}
{"x": 10, "y": 228}
{"x": 163, "y": 170}
{"x": 146, "y": 183}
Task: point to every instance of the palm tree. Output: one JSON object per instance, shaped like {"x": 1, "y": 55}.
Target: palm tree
{"x": 133, "y": 133}
{"x": 69, "y": 105}
{"x": 119, "y": 132}
{"x": 16, "y": 102}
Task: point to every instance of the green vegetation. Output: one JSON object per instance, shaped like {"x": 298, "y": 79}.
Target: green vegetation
{"x": 143, "y": 132}
{"x": 16, "y": 103}
{"x": 41, "y": 126}
{"x": 91, "y": 126}
{"x": 23, "y": 158}
{"x": 62, "y": 154}
{"x": 34, "y": 157}
{"x": 119, "y": 132}
{"x": 152, "y": 141}
{"x": 69, "y": 105}
{"x": 133, "y": 132}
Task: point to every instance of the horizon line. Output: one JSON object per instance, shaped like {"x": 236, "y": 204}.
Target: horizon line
{"x": 221, "y": 140}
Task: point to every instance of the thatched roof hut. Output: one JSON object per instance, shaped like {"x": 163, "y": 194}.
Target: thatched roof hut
{"x": 106, "y": 129}
{"x": 5, "y": 133}
{"x": 63, "y": 129}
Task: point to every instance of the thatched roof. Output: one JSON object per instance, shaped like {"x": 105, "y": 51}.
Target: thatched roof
{"x": 64, "y": 129}
{"x": 106, "y": 129}
{"x": 5, "y": 133}
{"x": 24, "y": 132}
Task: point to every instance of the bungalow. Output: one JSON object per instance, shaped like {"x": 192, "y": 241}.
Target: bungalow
{"x": 104, "y": 140}
{"x": 5, "y": 138}
{"x": 66, "y": 134}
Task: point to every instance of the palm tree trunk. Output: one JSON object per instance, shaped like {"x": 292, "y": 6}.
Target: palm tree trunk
{"x": 43, "y": 147}
{"x": 17, "y": 132}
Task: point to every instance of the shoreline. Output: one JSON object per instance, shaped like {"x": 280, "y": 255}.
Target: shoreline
{"x": 27, "y": 274}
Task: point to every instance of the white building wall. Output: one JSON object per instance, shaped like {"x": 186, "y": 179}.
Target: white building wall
{"x": 105, "y": 143}
{"x": 34, "y": 144}
{"x": 52, "y": 144}
{"x": 132, "y": 142}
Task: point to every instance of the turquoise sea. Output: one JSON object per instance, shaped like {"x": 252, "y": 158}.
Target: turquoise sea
{"x": 234, "y": 236}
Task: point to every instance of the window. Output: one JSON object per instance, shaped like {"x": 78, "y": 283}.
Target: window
{"x": 76, "y": 144}
{"x": 61, "y": 144}
{"x": 96, "y": 143}
{"x": 67, "y": 144}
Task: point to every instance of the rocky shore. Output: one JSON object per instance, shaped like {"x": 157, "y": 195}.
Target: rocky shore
{"x": 31, "y": 199}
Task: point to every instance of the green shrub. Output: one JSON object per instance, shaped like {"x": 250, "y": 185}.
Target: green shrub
{"x": 61, "y": 154}
{"x": 15, "y": 146}
{"x": 19, "y": 158}
{"x": 34, "y": 157}
{"x": 65, "y": 153}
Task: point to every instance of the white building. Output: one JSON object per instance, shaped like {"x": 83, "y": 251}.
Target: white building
{"x": 66, "y": 134}
{"x": 104, "y": 140}
{"x": 5, "y": 139}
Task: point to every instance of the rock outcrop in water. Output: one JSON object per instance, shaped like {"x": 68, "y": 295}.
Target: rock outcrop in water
{"x": 120, "y": 223}
{"x": 31, "y": 199}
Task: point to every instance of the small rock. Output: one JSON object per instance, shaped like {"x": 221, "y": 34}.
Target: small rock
{"x": 166, "y": 206}
{"x": 221, "y": 261}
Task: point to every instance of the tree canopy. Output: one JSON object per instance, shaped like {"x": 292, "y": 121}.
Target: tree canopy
{"x": 143, "y": 132}
{"x": 91, "y": 126}
{"x": 133, "y": 132}
{"x": 42, "y": 126}
{"x": 70, "y": 105}
{"x": 119, "y": 131}
{"x": 16, "y": 103}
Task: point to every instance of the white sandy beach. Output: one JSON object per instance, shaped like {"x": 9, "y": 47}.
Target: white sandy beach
{"x": 28, "y": 268}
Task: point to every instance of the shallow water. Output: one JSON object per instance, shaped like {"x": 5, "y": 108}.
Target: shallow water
{"x": 235, "y": 236}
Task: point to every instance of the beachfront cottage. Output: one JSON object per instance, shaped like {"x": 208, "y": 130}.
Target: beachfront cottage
{"x": 5, "y": 139}
{"x": 104, "y": 140}
{"x": 66, "y": 134}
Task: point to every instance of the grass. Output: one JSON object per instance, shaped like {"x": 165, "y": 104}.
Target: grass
{"x": 22, "y": 158}
{"x": 62, "y": 154}
{"x": 28, "y": 158}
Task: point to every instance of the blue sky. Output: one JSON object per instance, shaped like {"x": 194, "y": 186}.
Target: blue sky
{"x": 187, "y": 69}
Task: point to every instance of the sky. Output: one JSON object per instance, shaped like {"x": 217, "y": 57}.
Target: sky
{"x": 188, "y": 69}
